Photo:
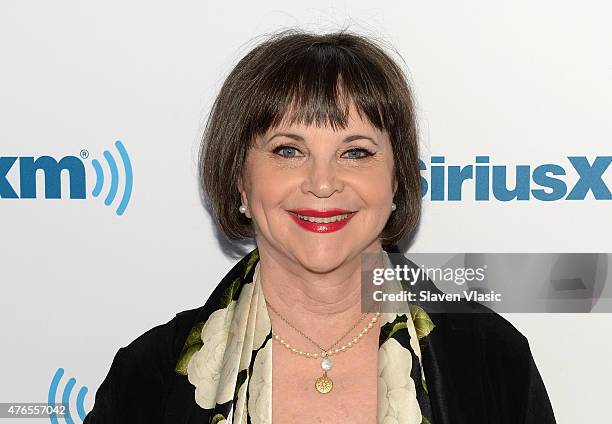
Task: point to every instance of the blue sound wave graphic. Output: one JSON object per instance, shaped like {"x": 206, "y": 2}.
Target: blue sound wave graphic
{"x": 80, "y": 399}
{"x": 114, "y": 178}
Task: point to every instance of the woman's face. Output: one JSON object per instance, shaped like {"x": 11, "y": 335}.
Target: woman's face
{"x": 298, "y": 174}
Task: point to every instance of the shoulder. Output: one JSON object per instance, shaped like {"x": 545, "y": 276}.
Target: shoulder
{"x": 476, "y": 326}
{"x": 490, "y": 325}
{"x": 163, "y": 342}
{"x": 160, "y": 346}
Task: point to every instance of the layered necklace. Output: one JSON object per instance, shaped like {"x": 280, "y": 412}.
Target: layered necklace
{"x": 324, "y": 383}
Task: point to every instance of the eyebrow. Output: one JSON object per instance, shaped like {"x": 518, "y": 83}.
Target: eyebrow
{"x": 299, "y": 138}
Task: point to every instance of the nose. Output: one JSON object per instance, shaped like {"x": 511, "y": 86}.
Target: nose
{"x": 322, "y": 179}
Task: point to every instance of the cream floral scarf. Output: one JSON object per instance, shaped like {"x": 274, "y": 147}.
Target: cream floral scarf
{"x": 228, "y": 358}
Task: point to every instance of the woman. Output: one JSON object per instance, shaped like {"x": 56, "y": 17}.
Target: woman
{"x": 311, "y": 149}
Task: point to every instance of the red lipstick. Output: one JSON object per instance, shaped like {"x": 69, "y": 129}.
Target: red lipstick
{"x": 321, "y": 227}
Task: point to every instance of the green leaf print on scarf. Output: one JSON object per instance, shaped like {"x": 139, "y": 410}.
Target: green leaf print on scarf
{"x": 192, "y": 345}
{"x": 422, "y": 323}
{"x": 217, "y": 419}
{"x": 229, "y": 293}
{"x": 252, "y": 259}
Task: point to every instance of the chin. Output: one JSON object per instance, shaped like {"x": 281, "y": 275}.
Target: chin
{"x": 321, "y": 266}
{"x": 322, "y": 256}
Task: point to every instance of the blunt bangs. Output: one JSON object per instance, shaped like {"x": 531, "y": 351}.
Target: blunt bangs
{"x": 314, "y": 84}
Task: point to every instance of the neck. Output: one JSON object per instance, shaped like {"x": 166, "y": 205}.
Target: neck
{"x": 322, "y": 305}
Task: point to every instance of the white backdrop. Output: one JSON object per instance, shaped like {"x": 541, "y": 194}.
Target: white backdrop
{"x": 522, "y": 82}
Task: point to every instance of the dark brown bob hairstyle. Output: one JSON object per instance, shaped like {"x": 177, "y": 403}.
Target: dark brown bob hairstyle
{"x": 295, "y": 76}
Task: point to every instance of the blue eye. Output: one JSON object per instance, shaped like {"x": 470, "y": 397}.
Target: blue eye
{"x": 289, "y": 151}
{"x": 361, "y": 153}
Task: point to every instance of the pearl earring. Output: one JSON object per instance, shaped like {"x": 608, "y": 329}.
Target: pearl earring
{"x": 242, "y": 209}
{"x": 393, "y": 207}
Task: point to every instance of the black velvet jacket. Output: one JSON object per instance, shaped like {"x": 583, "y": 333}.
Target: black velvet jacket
{"x": 478, "y": 367}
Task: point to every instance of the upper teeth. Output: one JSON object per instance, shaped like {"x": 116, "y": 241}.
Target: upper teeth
{"x": 323, "y": 220}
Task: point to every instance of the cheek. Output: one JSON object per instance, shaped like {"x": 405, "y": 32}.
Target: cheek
{"x": 268, "y": 186}
{"x": 375, "y": 187}
{"x": 376, "y": 191}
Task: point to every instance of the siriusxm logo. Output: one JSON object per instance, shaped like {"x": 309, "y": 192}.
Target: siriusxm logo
{"x": 546, "y": 182}
{"x": 66, "y": 398}
{"x": 75, "y": 167}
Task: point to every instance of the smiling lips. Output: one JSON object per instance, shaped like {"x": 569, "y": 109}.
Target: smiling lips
{"x": 325, "y": 221}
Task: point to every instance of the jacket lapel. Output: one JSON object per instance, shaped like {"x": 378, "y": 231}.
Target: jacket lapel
{"x": 453, "y": 360}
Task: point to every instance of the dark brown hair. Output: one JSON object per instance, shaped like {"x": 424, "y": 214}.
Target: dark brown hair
{"x": 295, "y": 76}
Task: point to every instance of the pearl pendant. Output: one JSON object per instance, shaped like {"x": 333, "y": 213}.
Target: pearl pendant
{"x": 326, "y": 364}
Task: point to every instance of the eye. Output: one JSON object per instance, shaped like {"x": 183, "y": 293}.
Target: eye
{"x": 289, "y": 151}
{"x": 358, "y": 153}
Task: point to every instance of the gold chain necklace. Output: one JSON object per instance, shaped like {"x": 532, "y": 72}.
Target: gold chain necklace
{"x": 324, "y": 384}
